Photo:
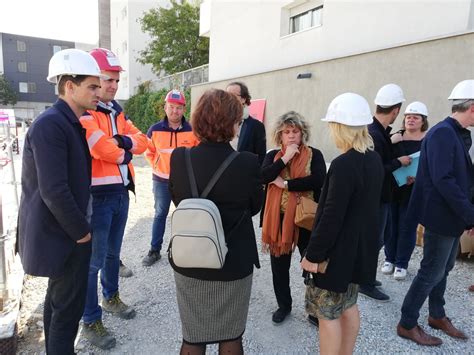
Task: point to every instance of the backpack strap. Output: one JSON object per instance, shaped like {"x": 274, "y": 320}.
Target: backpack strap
{"x": 218, "y": 174}
{"x": 189, "y": 168}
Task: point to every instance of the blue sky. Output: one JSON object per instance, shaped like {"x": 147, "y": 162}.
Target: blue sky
{"x": 70, "y": 20}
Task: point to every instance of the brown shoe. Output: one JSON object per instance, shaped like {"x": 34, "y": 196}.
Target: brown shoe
{"x": 471, "y": 288}
{"x": 446, "y": 326}
{"x": 418, "y": 335}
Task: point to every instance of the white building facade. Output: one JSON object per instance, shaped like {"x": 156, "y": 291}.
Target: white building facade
{"x": 337, "y": 46}
{"x": 128, "y": 39}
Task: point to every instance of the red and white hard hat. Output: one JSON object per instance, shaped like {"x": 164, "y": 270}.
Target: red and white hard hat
{"x": 175, "y": 97}
{"x": 106, "y": 59}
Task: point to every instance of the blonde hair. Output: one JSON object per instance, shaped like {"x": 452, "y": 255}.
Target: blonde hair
{"x": 349, "y": 137}
{"x": 292, "y": 119}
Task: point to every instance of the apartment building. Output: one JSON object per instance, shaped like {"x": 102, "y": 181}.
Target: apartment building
{"x": 298, "y": 55}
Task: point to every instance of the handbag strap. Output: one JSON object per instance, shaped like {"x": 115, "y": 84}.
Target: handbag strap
{"x": 189, "y": 168}
{"x": 218, "y": 173}
{"x": 214, "y": 178}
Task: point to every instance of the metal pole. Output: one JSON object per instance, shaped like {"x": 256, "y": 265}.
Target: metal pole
{"x": 12, "y": 170}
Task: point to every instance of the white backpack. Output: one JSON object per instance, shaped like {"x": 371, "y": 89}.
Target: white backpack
{"x": 197, "y": 236}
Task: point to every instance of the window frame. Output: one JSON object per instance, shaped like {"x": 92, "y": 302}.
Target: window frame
{"x": 309, "y": 13}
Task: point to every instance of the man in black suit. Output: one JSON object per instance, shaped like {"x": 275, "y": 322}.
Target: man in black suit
{"x": 251, "y": 135}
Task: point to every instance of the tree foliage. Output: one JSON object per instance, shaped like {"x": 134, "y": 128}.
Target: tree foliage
{"x": 175, "y": 43}
{"x": 146, "y": 108}
{"x": 7, "y": 95}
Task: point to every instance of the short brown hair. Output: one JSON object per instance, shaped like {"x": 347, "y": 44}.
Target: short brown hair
{"x": 216, "y": 113}
{"x": 244, "y": 91}
{"x": 386, "y": 110}
{"x": 76, "y": 79}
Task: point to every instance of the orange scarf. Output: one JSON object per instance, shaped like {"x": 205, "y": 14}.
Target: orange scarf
{"x": 283, "y": 240}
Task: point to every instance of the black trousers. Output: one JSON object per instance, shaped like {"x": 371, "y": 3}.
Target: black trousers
{"x": 281, "y": 272}
{"x": 64, "y": 302}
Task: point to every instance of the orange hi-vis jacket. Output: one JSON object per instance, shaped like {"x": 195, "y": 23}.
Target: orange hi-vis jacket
{"x": 111, "y": 164}
{"x": 163, "y": 140}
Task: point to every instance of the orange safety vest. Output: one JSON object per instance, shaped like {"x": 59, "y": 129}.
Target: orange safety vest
{"x": 106, "y": 155}
{"x": 163, "y": 140}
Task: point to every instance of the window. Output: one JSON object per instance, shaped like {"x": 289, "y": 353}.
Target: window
{"x": 57, "y": 48}
{"x": 22, "y": 68}
{"x": 20, "y": 46}
{"x": 308, "y": 19}
{"x": 23, "y": 87}
{"x": 27, "y": 88}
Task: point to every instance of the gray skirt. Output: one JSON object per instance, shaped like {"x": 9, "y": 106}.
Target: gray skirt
{"x": 212, "y": 311}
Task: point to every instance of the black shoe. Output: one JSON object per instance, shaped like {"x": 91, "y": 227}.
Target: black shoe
{"x": 377, "y": 283}
{"x": 374, "y": 293}
{"x": 313, "y": 320}
{"x": 152, "y": 257}
{"x": 279, "y": 315}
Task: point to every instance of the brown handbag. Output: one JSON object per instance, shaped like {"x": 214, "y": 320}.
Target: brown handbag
{"x": 305, "y": 212}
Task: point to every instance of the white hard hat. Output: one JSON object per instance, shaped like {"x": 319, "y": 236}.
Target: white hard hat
{"x": 72, "y": 61}
{"x": 417, "y": 108}
{"x": 463, "y": 91}
{"x": 349, "y": 109}
{"x": 389, "y": 95}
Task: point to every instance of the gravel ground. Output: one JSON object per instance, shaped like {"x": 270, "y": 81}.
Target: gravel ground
{"x": 156, "y": 328}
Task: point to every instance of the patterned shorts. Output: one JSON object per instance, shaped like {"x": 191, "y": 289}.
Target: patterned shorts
{"x": 329, "y": 305}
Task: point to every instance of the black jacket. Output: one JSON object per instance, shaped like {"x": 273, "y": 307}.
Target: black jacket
{"x": 383, "y": 145}
{"x": 56, "y": 178}
{"x": 237, "y": 194}
{"x": 252, "y": 138}
{"x": 314, "y": 182}
{"x": 347, "y": 223}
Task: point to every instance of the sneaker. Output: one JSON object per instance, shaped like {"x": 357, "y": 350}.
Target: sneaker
{"x": 313, "y": 320}
{"x": 387, "y": 268}
{"x": 115, "y": 306}
{"x": 374, "y": 293}
{"x": 98, "y": 335}
{"x": 124, "y": 271}
{"x": 279, "y": 315}
{"x": 400, "y": 273}
{"x": 152, "y": 257}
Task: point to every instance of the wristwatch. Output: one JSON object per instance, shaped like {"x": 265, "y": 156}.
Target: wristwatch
{"x": 286, "y": 184}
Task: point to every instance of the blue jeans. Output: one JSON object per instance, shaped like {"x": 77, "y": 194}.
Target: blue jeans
{"x": 109, "y": 217}
{"x": 400, "y": 243}
{"x": 162, "y": 207}
{"x": 439, "y": 255}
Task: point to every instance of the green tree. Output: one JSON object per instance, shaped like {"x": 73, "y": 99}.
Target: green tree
{"x": 7, "y": 95}
{"x": 175, "y": 44}
{"x": 146, "y": 108}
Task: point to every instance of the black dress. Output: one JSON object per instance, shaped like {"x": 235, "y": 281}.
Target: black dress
{"x": 346, "y": 226}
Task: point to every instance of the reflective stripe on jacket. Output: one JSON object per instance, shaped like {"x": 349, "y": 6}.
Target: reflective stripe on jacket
{"x": 106, "y": 155}
{"x": 163, "y": 140}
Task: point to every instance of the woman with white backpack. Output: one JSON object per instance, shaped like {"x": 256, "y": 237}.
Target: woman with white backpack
{"x": 213, "y": 302}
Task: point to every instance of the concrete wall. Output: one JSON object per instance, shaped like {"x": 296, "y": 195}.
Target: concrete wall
{"x": 426, "y": 71}
{"x": 104, "y": 23}
{"x": 248, "y": 36}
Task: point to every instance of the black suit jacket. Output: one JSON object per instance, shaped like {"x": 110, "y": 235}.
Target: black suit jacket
{"x": 346, "y": 225}
{"x": 237, "y": 194}
{"x": 252, "y": 138}
{"x": 56, "y": 179}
